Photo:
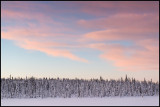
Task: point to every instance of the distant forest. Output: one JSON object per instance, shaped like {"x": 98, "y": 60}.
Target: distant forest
{"x": 66, "y": 88}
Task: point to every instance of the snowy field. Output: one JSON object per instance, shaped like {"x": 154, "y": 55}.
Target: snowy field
{"x": 109, "y": 101}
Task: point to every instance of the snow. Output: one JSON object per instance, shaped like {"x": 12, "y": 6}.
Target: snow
{"x": 107, "y": 101}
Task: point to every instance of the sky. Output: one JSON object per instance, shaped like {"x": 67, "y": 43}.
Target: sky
{"x": 80, "y": 39}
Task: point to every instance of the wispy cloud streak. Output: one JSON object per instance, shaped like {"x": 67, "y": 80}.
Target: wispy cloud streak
{"x": 47, "y": 28}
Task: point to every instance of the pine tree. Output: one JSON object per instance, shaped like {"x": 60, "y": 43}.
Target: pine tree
{"x": 66, "y": 88}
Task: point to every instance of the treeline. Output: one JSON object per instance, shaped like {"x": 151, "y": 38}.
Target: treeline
{"x": 66, "y": 88}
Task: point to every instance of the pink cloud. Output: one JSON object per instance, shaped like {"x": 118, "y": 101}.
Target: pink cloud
{"x": 48, "y": 49}
{"x": 122, "y": 27}
{"x": 39, "y": 41}
{"x": 123, "y": 20}
{"x": 39, "y": 36}
{"x": 23, "y": 15}
{"x": 113, "y": 7}
{"x": 130, "y": 21}
{"x": 33, "y": 18}
{"x": 141, "y": 29}
{"x": 140, "y": 57}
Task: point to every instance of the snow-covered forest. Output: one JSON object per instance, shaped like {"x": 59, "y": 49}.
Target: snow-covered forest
{"x": 66, "y": 88}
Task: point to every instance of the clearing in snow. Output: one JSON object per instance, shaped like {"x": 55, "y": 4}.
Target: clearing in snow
{"x": 106, "y": 101}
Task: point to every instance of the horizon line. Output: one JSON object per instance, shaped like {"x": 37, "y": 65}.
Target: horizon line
{"x": 100, "y": 77}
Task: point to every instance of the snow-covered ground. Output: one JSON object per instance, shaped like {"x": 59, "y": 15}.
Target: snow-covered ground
{"x": 108, "y": 101}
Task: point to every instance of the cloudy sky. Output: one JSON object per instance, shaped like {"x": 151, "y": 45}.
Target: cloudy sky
{"x": 80, "y": 39}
